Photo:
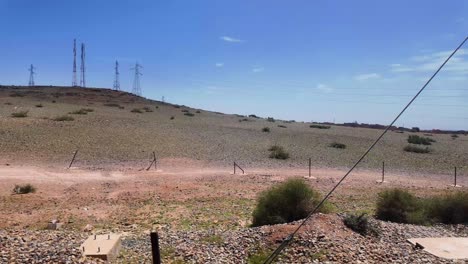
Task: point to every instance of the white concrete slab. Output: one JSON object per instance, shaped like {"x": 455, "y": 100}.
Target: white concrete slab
{"x": 105, "y": 247}
{"x": 444, "y": 247}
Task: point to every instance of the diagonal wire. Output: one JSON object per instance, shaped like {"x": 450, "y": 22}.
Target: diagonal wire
{"x": 289, "y": 238}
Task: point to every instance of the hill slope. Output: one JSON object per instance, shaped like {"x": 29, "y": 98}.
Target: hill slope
{"x": 112, "y": 134}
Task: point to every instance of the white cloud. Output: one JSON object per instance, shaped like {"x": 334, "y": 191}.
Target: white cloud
{"x": 231, "y": 39}
{"x": 324, "y": 88}
{"x": 258, "y": 69}
{"x": 367, "y": 76}
{"x": 219, "y": 64}
{"x": 396, "y": 67}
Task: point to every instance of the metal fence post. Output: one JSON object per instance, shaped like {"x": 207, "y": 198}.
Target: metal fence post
{"x": 155, "y": 248}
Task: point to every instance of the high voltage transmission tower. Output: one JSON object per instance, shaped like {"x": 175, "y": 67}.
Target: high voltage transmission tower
{"x": 74, "y": 83}
{"x": 116, "y": 78}
{"x": 82, "y": 68}
{"x": 136, "y": 81}
{"x": 31, "y": 75}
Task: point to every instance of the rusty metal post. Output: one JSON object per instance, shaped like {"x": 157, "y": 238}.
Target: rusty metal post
{"x": 73, "y": 159}
{"x": 234, "y": 167}
{"x": 155, "y": 248}
{"x": 383, "y": 171}
{"x": 310, "y": 165}
{"x": 455, "y": 183}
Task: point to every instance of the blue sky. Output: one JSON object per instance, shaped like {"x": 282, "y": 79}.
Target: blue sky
{"x": 339, "y": 61}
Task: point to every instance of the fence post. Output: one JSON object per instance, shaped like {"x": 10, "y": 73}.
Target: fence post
{"x": 73, "y": 159}
{"x": 234, "y": 167}
{"x": 455, "y": 183}
{"x": 383, "y": 171}
{"x": 310, "y": 165}
{"x": 155, "y": 161}
{"x": 155, "y": 248}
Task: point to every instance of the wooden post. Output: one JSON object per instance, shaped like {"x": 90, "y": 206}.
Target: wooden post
{"x": 455, "y": 183}
{"x": 234, "y": 167}
{"x": 310, "y": 165}
{"x": 383, "y": 171}
{"x": 155, "y": 248}
{"x": 155, "y": 161}
{"x": 73, "y": 159}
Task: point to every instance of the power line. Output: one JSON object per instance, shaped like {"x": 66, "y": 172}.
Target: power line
{"x": 116, "y": 78}
{"x": 288, "y": 239}
{"x": 136, "y": 81}
{"x": 31, "y": 75}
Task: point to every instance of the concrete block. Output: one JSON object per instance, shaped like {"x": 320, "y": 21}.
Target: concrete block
{"x": 105, "y": 247}
{"x": 443, "y": 247}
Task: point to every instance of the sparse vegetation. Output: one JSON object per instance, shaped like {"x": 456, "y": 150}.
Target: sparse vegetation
{"x": 24, "y": 189}
{"x": 20, "y": 114}
{"x": 172, "y": 117}
{"x": 189, "y": 114}
{"x": 266, "y": 129}
{"x": 258, "y": 257}
{"x": 184, "y": 111}
{"x": 254, "y": 116}
{"x": 454, "y": 136}
{"x": 82, "y": 111}
{"x": 286, "y": 202}
{"x": 415, "y": 139}
{"x": 400, "y": 206}
{"x": 282, "y": 126}
{"x": 147, "y": 109}
{"x": 360, "y": 224}
{"x": 278, "y": 152}
{"x": 17, "y": 94}
{"x": 337, "y": 145}
{"x": 136, "y": 110}
{"x": 198, "y": 112}
{"x": 64, "y": 118}
{"x": 319, "y": 126}
{"x": 271, "y": 119}
{"x": 39, "y": 105}
{"x": 416, "y": 149}
{"x": 213, "y": 240}
{"x": 112, "y": 105}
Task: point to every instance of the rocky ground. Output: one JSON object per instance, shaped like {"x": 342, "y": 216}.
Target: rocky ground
{"x": 324, "y": 239}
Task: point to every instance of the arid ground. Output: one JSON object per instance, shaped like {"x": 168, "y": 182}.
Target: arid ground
{"x": 193, "y": 190}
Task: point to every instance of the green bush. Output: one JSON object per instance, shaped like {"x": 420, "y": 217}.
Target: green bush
{"x": 258, "y": 257}
{"x": 400, "y": 206}
{"x": 24, "y": 189}
{"x": 416, "y": 149}
{"x": 337, "y": 145}
{"x": 319, "y": 126}
{"x": 415, "y": 139}
{"x": 20, "y": 114}
{"x": 82, "y": 111}
{"x": 448, "y": 209}
{"x": 278, "y": 152}
{"x": 286, "y": 202}
{"x": 266, "y": 129}
{"x": 136, "y": 110}
{"x": 360, "y": 224}
{"x": 64, "y": 118}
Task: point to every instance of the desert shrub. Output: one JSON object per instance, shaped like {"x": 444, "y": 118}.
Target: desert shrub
{"x": 454, "y": 136}
{"x": 184, "y": 111}
{"x": 157, "y": 107}
{"x": 286, "y": 202}
{"x": 82, "y": 111}
{"x": 360, "y": 224}
{"x": 448, "y": 209}
{"x": 259, "y": 257}
{"x": 136, "y": 110}
{"x": 266, "y": 129}
{"x": 416, "y": 149}
{"x": 198, "y": 112}
{"x": 270, "y": 119}
{"x": 244, "y": 120}
{"x": 176, "y": 106}
{"x": 112, "y": 105}
{"x": 20, "y": 114}
{"x": 415, "y": 139}
{"x": 278, "y": 152}
{"x": 53, "y": 101}
{"x": 189, "y": 114}
{"x": 319, "y": 126}
{"x": 254, "y": 116}
{"x": 282, "y": 126}
{"x": 23, "y": 189}
{"x": 400, "y": 206}
{"x": 64, "y": 118}
{"x": 8, "y": 103}
{"x": 172, "y": 118}
{"x": 17, "y": 94}
{"x": 337, "y": 145}
{"x": 39, "y": 105}
{"x": 147, "y": 109}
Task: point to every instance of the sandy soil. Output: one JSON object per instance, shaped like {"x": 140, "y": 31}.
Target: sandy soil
{"x": 190, "y": 195}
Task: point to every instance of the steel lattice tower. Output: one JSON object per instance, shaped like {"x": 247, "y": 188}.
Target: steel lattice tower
{"x": 136, "y": 81}
{"x": 74, "y": 83}
{"x": 31, "y": 75}
{"x": 116, "y": 79}
{"x": 83, "y": 68}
